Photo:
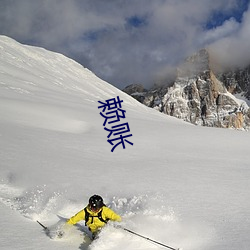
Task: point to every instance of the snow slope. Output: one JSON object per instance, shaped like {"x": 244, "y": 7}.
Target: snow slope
{"x": 179, "y": 184}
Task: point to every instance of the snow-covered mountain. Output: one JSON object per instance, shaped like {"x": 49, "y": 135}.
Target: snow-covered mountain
{"x": 183, "y": 185}
{"x": 201, "y": 96}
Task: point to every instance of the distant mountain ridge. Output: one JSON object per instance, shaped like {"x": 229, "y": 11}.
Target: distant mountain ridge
{"x": 202, "y": 96}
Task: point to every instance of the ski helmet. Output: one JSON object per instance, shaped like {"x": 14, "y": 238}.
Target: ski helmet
{"x": 95, "y": 202}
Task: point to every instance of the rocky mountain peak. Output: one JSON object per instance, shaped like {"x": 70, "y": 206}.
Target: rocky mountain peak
{"x": 200, "y": 96}
{"x": 196, "y": 64}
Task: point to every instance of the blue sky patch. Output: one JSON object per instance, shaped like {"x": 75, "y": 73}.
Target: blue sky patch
{"x": 136, "y": 21}
{"x": 219, "y": 17}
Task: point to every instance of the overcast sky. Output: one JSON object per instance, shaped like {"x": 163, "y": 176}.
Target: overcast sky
{"x": 131, "y": 41}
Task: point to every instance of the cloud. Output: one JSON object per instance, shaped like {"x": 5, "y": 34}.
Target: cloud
{"x": 121, "y": 41}
{"x": 228, "y": 28}
{"x": 233, "y": 49}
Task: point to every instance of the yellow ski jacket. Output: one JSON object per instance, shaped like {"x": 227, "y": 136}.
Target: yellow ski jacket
{"x": 94, "y": 223}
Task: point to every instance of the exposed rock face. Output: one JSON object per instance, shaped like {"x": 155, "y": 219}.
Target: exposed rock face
{"x": 137, "y": 91}
{"x": 199, "y": 97}
{"x": 237, "y": 81}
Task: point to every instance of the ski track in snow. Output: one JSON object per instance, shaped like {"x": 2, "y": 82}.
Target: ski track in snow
{"x": 145, "y": 214}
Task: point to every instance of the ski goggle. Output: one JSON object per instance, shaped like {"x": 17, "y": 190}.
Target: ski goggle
{"x": 94, "y": 208}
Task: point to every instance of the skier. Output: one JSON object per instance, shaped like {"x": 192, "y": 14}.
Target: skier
{"x": 95, "y": 214}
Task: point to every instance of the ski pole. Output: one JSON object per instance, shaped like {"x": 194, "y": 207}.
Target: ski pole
{"x": 45, "y": 228}
{"x": 146, "y": 238}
